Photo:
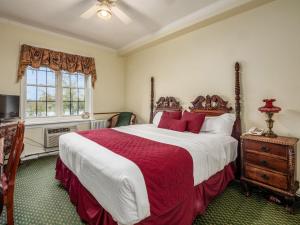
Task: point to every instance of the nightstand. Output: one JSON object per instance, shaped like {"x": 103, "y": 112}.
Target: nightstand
{"x": 270, "y": 163}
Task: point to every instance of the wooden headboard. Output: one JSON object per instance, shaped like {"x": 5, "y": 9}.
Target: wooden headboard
{"x": 210, "y": 105}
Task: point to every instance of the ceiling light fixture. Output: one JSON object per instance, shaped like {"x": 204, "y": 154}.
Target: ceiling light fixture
{"x": 104, "y": 11}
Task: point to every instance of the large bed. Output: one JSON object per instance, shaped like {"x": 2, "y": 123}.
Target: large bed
{"x": 142, "y": 174}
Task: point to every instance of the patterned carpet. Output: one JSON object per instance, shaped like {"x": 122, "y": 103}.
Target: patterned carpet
{"x": 39, "y": 199}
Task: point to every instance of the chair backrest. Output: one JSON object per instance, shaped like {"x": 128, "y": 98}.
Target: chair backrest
{"x": 124, "y": 119}
{"x": 121, "y": 119}
{"x": 15, "y": 154}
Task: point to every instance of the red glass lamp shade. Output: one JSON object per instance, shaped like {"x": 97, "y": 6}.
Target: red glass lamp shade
{"x": 269, "y": 107}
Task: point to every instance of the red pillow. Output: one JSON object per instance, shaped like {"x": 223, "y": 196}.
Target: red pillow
{"x": 164, "y": 122}
{"x": 174, "y": 115}
{"x": 172, "y": 124}
{"x": 177, "y": 125}
{"x": 194, "y": 121}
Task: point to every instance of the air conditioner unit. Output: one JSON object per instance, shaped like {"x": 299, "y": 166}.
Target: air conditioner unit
{"x": 52, "y": 135}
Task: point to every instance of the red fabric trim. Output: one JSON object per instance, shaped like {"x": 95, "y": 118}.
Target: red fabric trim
{"x": 92, "y": 212}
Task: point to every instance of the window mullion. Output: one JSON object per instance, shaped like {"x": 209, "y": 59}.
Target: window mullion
{"x": 59, "y": 93}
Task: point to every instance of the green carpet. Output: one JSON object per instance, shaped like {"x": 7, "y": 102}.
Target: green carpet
{"x": 39, "y": 199}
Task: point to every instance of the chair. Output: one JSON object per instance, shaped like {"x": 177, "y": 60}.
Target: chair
{"x": 8, "y": 177}
{"x": 121, "y": 119}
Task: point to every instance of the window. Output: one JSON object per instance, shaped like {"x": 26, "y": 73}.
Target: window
{"x": 55, "y": 94}
{"x": 73, "y": 93}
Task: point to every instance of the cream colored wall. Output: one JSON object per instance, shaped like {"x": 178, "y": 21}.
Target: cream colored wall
{"x": 264, "y": 40}
{"x": 108, "y": 94}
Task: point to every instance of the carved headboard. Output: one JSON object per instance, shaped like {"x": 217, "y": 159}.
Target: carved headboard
{"x": 210, "y": 105}
{"x": 168, "y": 103}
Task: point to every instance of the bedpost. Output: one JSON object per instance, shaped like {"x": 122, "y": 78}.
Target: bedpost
{"x": 152, "y": 100}
{"x": 237, "y": 125}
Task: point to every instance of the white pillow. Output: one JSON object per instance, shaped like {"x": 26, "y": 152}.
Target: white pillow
{"x": 157, "y": 118}
{"x": 219, "y": 124}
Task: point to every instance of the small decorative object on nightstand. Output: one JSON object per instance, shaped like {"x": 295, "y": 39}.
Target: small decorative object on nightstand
{"x": 269, "y": 109}
{"x": 270, "y": 163}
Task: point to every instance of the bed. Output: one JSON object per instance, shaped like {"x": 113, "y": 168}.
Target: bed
{"x": 142, "y": 174}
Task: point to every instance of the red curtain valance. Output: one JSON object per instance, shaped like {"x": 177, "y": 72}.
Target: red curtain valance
{"x": 37, "y": 57}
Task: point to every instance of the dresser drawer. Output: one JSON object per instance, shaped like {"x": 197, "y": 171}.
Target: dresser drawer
{"x": 264, "y": 161}
{"x": 273, "y": 149}
{"x": 267, "y": 177}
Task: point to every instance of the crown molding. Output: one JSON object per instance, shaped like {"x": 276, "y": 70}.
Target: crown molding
{"x": 218, "y": 11}
{"x": 213, "y": 13}
{"x": 58, "y": 34}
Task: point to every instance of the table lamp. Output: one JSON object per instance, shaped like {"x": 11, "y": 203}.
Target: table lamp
{"x": 269, "y": 109}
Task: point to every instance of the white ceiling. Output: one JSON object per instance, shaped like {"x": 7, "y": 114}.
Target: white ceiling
{"x": 63, "y": 16}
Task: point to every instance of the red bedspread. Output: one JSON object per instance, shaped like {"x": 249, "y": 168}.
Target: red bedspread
{"x": 167, "y": 169}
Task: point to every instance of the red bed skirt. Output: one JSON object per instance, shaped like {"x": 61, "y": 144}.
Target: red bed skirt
{"x": 92, "y": 212}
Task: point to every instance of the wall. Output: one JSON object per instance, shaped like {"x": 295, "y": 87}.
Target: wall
{"x": 264, "y": 40}
{"x": 108, "y": 94}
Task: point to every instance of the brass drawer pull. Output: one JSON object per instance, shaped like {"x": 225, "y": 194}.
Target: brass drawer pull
{"x": 265, "y": 177}
{"x": 263, "y": 162}
{"x": 265, "y": 149}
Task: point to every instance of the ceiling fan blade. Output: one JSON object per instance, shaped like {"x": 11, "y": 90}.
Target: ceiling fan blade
{"x": 121, "y": 15}
{"x": 90, "y": 12}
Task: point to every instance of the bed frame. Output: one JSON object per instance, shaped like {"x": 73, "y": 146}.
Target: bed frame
{"x": 211, "y": 105}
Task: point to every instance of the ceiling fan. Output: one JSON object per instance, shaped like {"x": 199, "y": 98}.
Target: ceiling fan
{"x": 104, "y": 9}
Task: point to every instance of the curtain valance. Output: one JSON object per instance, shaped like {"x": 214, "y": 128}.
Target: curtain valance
{"x": 37, "y": 57}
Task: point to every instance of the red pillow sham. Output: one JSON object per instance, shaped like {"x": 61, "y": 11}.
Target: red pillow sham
{"x": 177, "y": 125}
{"x": 174, "y": 115}
{"x": 194, "y": 121}
{"x": 172, "y": 124}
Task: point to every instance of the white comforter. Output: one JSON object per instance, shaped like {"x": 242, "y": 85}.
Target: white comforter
{"x": 118, "y": 184}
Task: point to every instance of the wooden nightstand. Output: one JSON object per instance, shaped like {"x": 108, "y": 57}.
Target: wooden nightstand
{"x": 270, "y": 163}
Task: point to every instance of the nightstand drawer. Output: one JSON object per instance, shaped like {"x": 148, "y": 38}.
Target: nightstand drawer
{"x": 267, "y": 177}
{"x": 267, "y": 162}
{"x": 269, "y": 148}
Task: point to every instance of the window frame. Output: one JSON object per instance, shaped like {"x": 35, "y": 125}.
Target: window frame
{"x": 59, "y": 100}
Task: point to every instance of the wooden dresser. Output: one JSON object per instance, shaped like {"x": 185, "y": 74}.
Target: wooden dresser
{"x": 270, "y": 163}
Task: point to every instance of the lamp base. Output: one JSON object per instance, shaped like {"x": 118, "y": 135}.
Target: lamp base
{"x": 270, "y": 134}
{"x": 270, "y": 123}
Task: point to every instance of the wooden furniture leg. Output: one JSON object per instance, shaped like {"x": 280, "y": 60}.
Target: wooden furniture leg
{"x": 245, "y": 188}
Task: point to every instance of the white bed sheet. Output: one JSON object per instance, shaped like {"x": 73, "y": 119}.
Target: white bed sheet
{"x": 118, "y": 184}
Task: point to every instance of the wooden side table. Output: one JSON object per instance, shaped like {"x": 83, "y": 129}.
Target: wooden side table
{"x": 270, "y": 163}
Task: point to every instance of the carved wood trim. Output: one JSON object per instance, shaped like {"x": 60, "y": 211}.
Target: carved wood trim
{"x": 213, "y": 105}
{"x": 291, "y": 162}
{"x": 152, "y": 100}
{"x": 168, "y": 103}
{"x": 237, "y": 128}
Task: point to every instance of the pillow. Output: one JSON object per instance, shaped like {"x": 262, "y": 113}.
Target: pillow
{"x": 157, "y": 118}
{"x": 172, "y": 124}
{"x": 219, "y": 124}
{"x": 177, "y": 125}
{"x": 174, "y": 114}
{"x": 164, "y": 122}
{"x": 194, "y": 121}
